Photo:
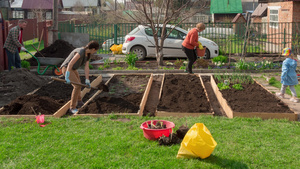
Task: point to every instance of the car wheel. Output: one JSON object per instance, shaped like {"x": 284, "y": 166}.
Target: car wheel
{"x": 207, "y": 54}
{"x": 139, "y": 51}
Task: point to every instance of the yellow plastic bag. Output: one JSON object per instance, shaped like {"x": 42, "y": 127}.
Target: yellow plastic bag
{"x": 200, "y": 45}
{"x": 198, "y": 142}
{"x": 119, "y": 49}
{"x": 113, "y": 48}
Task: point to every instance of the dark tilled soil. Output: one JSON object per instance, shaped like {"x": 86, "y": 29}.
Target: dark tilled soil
{"x": 183, "y": 93}
{"x": 55, "y": 93}
{"x": 253, "y": 98}
{"x": 23, "y": 105}
{"x": 124, "y": 96}
{"x": 18, "y": 82}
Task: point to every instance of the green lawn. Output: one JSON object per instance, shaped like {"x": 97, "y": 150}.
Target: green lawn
{"x": 28, "y": 45}
{"x": 86, "y": 142}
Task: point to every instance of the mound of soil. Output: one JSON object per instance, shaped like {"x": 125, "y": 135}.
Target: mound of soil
{"x": 183, "y": 93}
{"x": 18, "y": 82}
{"x": 59, "y": 49}
{"x": 124, "y": 96}
{"x": 23, "y": 105}
{"x": 174, "y": 138}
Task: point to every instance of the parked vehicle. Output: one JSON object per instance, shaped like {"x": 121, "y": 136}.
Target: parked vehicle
{"x": 140, "y": 40}
{"x": 109, "y": 42}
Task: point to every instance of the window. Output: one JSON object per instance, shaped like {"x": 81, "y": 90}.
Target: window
{"x": 274, "y": 18}
{"x": 30, "y": 15}
{"x": 149, "y": 32}
{"x": 18, "y": 14}
{"x": 48, "y": 15}
{"x": 175, "y": 34}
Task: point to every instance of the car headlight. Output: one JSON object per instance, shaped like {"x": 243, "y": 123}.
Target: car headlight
{"x": 212, "y": 43}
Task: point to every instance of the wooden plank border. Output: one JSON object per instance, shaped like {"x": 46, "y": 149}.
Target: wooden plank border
{"x": 63, "y": 110}
{"x": 264, "y": 115}
{"x": 182, "y": 114}
{"x": 142, "y": 104}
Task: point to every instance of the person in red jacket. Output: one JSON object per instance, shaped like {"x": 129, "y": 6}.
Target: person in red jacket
{"x": 190, "y": 43}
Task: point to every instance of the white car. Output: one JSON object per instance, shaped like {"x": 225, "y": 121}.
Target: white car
{"x": 140, "y": 40}
{"x": 109, "y": 42}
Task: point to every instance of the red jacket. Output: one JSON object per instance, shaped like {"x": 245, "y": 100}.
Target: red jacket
{"x": 191, "y": 39}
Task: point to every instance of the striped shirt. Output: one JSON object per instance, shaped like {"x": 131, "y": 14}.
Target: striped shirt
{"x": 12, "y": 41}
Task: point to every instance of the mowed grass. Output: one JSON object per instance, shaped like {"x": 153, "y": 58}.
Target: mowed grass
{"x": 28, "y": 45}
{"x": 86, "y": 142}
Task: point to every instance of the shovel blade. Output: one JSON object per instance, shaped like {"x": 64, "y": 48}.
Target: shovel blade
{"x": 103, "y": 87}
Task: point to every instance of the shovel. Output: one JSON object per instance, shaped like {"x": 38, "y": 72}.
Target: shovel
{"x": 102, "y": 87}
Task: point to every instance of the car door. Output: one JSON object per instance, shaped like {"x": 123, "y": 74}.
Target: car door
{"x": 149, "y": 41}
{"x": 172, "y": 44}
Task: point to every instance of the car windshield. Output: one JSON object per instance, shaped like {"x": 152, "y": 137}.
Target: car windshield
{"x": 135, "y": 30}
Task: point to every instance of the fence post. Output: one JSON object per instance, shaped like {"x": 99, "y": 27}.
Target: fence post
{"x": 115, "y": 33}
{"x": 284, "y": 37}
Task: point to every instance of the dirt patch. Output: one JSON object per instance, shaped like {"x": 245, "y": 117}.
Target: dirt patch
{"x": 23, "y": 105}
{"x": 183, "y": 93}
{"x": 126, "y": 92}
{"x": 253, "y": 98}
{"x": 18, "y": 82}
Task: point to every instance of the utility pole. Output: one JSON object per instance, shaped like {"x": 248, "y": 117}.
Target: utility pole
{"x": 55, "y": 20}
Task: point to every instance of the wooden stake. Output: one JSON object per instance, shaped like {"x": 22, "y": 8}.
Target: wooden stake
{"x": 41, "y": 38}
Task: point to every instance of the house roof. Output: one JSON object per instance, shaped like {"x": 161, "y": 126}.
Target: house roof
{"x": 226, "y": 6}
{"x": 40, "y": 4}
{"x": 261, "y": 10}
{"x": 85, "y": 3}
{"x": 239, "y": 15}
{"x": 16, "y": 4}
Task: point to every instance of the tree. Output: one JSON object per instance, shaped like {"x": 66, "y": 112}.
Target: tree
{"x": 156, "y": 13}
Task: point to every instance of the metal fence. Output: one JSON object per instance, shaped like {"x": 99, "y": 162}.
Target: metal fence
{"x": 262, "y": 37}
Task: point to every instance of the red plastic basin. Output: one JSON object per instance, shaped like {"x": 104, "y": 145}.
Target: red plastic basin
{"x": 154, "y": 134}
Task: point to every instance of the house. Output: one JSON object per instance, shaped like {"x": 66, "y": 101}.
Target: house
{"x": 29, "y": 9}
{"x": 88, "y": 6}
{"x": 225, "y": 10}
{"x": 281, "y": 19}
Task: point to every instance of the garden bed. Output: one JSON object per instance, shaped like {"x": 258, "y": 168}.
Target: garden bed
{"x": 252, "y": 101}
{"x": 183, "y": 95}
{"x": 51, "y": 99}
{"x": 127, "y": 95}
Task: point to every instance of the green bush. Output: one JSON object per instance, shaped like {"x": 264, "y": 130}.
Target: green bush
{"x": 130, "y": 59}
{"x": 91, "y": 66}
{"x": 223, "y": 86}
{"x": 220, "y": 58}
{"x": 25, "y": 64}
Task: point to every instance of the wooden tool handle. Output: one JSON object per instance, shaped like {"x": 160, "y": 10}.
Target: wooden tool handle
{"x": 75, "y": 83}
{"x": 37, "y": 50}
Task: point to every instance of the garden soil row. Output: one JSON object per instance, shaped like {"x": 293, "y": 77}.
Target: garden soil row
{"x": 124, "y": 96}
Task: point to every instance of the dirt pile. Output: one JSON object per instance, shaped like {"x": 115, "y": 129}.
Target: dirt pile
{"x": 18, "y": 82}
{"x": 59, "y": 49}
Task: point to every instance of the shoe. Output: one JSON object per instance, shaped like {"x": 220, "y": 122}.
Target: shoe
{"x": 295, "y": 100}
{"x": 280, "y": 95}
{"x": 73, "y": 111}
{"x": 80, "y": 104}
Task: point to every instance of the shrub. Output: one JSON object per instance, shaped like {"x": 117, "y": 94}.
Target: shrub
{"x": 25, "y": 64}
{"x": 220, "y": 58}
{"x": 178, "y": 63}
{"x": 130, "y": 59}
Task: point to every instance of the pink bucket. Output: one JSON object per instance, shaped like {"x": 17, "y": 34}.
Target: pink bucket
{"x": 40, "y": 118}
{"x": 154, "y": 134}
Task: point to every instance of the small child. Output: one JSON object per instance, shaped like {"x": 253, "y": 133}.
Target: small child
{"x": 288, "y": 75}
